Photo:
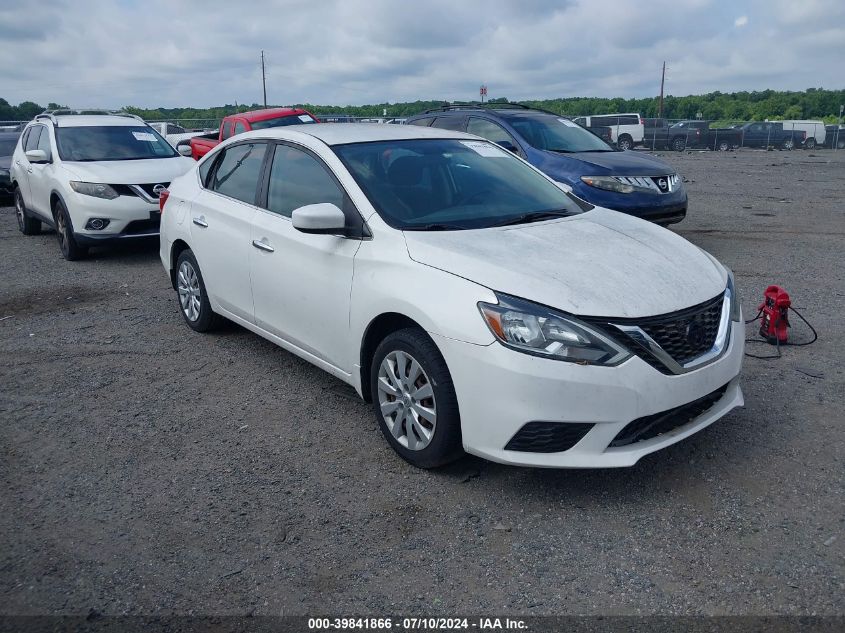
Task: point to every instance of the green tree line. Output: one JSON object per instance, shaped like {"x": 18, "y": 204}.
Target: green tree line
{"x": 813, "y": 103}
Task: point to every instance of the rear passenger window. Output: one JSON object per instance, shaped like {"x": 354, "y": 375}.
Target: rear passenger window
{"x": 227, "y": 130}
{"x": 238, "y": 172}
{"x": 204, "y": 168}
{"x": 421, "y": 122}
{"x": 454, "y": 123}
{"x": 298, "y": 179}
{"x": 240, "y": 128}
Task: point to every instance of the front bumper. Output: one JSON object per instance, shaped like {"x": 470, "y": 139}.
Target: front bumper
{"x": 129, "y": 217}
{"x": 500, "y": 391}
{"x": 666, "y": 208}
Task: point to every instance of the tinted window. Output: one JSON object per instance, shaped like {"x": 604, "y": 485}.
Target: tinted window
{"x": 421, "y": 122}
{"x": 556, "y": 134}
{"x": 240, "y": 128}
{"x": 455, "y": 123}
{"x": 238, "y": 172}
{"x": 44, "y": 142}
{"x": 288, "y": 119}
{"x": 437, "y": 184}
{"x": 489, "y": 130}
{"x": 227, "y": 130}
{"x": 33, "y": 138}
{"x": 204, "y": 168}
{"x": 111, "y": 142}
{"x": 297, "y": 179}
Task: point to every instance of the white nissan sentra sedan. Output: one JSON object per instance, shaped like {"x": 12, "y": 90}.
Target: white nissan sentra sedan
{"x": 479, "y": 306}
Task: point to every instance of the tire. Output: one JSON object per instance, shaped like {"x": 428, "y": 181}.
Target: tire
{"x": 71, "y": 251}
{"x": 625, "y": 142}
{"x": 193, "y": 298}
{"x": 840, "y": 144}
{"x": 679, "y": 143}
{"x": 26, "y": 224}
{"x": 810, "y": 143}
{"x": 724, "y": 146}
{"x": 788, "y": 144}
{"x": 425, "y": 441}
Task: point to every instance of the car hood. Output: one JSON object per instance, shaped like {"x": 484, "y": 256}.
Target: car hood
{"x": 600, "y": 263}
{"x": 130, "y": 172}
{"x": 611, "y": 163}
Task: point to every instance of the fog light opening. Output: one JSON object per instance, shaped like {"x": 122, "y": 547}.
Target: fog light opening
{"x": 97, "y": 224}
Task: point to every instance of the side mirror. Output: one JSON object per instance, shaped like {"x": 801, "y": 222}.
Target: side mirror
{"x": 321, "y": 219}
{"x": 508, "y": 146}
{"x": 184, "y": 150}
{"x": 37, "y": 156}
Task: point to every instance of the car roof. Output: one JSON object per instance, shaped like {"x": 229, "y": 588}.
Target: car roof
{"x": 90, "y": 120}
{"x": 269, "y": 113}
{"x": 342, "y": 133}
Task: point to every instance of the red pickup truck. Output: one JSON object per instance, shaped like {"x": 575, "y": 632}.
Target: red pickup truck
{"x": 246, "y": 121}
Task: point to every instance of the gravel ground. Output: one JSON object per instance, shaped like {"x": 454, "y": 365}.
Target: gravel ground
{"x": 149, "y": 470}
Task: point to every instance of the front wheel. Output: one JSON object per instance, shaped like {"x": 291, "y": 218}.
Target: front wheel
{"x": 414, "y": 399}
{"x": 679, "y": 143}
{"x": 788, "y": 144}
{"x": 193, "y": 298}
{"x": 724, "y": 146}
{"x": 71, "y": 251}
{"x": 625, "y": 142}
{"x": 26, "y": 224}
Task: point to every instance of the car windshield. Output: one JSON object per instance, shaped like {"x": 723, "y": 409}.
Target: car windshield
{"x": 556, "y": 134}
{"x": 287, "y": 119}
{"x": 111, "y": 142}
{"x": 7, "y": 146}
{"x": 450, "y": 184}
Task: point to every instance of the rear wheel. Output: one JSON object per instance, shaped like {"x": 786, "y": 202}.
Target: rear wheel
{"x": 193, "y": 298}
{"x": 810, "y": 143}
{"x": 26, "y": 224}
{"x": 625, "y": 142}
{"x": 71, "y": 251}
{"x": 724, "y": 146}
{"x": 414, "y": 399}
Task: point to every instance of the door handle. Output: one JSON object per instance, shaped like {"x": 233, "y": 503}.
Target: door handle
{"x": 29, "y": 170}
{"x": 200, "y": 221}
{"x": 18, "y": 163}
{"x": 262, "y": 245}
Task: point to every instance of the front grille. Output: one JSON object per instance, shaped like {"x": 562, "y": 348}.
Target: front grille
{"x": 140, "y": 227}
{"x": 656, "y": 424}
{"x": 126, "y": 190}
{"x": 148, "y": 188}
{"x": 547, "y": 437}
{"x": 689, "y": 336}
{"x": 658, "y": 184}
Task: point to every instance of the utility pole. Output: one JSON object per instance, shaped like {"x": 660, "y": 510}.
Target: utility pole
{"x": 263, "y": 80}
{"x": 662, "y": 81}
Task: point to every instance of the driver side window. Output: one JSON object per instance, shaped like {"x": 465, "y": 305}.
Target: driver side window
{"x": 491, "y": 131}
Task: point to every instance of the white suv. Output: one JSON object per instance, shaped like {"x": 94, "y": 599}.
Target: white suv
{"x": 94, "y": 178}
{"x": 626, "y": 130}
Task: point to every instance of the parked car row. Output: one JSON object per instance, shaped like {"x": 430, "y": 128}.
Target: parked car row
{"x": 459, "y": 284}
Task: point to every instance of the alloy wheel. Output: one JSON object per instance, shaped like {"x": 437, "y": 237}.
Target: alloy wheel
{"x": 406, "y": 399}
{"x": 19, "y": 212}
{"x": 189, "y": 291}
{"x": 61, "y": 230}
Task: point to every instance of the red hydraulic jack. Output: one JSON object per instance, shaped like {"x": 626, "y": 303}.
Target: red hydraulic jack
{"x": 774, "y": 311}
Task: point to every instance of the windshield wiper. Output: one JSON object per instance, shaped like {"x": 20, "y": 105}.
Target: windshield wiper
{"x": 534, "y": 216}
{"x": 435, "y": 227}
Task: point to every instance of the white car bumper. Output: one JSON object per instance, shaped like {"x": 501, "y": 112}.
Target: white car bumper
{"x": 128, "y": 217}
{"x": 500, "y": 391}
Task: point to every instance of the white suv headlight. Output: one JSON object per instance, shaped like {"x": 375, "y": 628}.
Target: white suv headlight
{"x": 94, "y": 189}
{"x": 535, "y": 329}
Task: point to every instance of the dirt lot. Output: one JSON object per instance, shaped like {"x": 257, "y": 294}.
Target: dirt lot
{"x": 149, "y": 470}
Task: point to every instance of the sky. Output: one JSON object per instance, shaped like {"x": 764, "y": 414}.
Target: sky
{"x": 149, "y": 53}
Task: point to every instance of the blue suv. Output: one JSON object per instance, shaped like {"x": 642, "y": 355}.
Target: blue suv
{"x": 626, "y": 181}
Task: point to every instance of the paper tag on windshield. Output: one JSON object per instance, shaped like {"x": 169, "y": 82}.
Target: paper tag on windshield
{"x": 305, "y": 118}
{"x": 144, "y": 136}
{"x": 568, "y": 123}
{"x": 484, "y": 149}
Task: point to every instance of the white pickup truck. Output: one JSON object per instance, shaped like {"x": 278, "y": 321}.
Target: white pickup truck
{"x": 626, "y": 129}
{"x": 173, "y": 133}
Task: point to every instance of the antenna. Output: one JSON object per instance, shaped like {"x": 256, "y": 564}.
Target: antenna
{"x": 662, "y": 81}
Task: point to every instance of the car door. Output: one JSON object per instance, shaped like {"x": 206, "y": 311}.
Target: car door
{"x": 301, "y": 282}
{"x": 23, "y": 167}
{"x": 41, "y": 175}
{"x": 221, "y": 221}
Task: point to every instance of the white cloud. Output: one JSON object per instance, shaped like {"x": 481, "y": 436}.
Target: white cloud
{"x": 156, "y": 52}
{"x": 741, "y": 21}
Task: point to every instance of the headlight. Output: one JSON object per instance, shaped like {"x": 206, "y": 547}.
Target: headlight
{"x": 535, "y": 329}
{"x": 609, "y": 183}
{"x": 94, "y": 189}
{"x": 736, "y": 306}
